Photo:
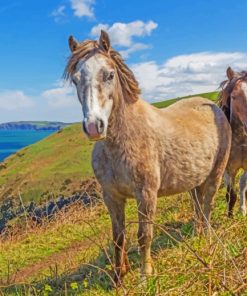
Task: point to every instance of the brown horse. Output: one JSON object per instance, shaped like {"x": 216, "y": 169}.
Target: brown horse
{"x": 233, "y": 101}
{"x": 145, "y": 152}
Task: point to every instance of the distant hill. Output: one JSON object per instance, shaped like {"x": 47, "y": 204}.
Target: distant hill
{"x": 211, "y": 96}
{"x": 33, "y": 125}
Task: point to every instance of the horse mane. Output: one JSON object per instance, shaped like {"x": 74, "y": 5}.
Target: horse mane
{"x": 86, "y": 49}
{"x": 227, "y": 86}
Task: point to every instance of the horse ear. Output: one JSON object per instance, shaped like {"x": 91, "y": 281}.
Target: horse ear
{"x": 104, "y": 41}
{"x": 73, "y": 44}
{"x": 230, "y": 73}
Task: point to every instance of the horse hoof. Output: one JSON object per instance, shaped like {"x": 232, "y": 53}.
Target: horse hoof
{"x": 118, "y": 281}
{"x": 120, "y": 273}
{"x": 243, "y": 212}
{"x": 147, "y": 270}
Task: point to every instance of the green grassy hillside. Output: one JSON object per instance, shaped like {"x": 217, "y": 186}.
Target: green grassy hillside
{"x": 211, "y": 96}
{"x": 56, "y": 165}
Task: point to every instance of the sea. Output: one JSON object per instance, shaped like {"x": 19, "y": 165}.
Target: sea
{"x": 13, "y": 140}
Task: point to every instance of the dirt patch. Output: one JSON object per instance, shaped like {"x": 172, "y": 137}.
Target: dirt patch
{"x": 53, "y": 260}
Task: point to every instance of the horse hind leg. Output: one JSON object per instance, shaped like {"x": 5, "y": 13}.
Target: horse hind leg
{"x": 197, "y": 195}
{"x": 212, "y": 187}
{"x": 231, "y": 196}
{"x": 212, "y": 184}
{"x": 203, "y": 197}
{"x": 204, "y": 194}
{"x": 243, "y": 193}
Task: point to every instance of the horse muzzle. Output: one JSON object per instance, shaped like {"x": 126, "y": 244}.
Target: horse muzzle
{"x": 95, "y": 130}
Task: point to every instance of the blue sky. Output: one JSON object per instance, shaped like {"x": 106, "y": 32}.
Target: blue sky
{"x": 174, "y": 47}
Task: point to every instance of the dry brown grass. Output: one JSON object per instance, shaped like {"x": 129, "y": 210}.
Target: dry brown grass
{"x": 185, "y": 264}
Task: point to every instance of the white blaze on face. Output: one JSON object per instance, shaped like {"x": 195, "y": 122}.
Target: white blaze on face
{"x": 243, "y": 106}
{"x": 244, "y": 88}
{"x": 96, "y": 106}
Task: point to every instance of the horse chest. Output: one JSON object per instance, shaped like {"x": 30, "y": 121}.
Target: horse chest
{"x": 112, "y": 172}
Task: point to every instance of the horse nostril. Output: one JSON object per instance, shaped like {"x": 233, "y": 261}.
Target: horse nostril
{"x": 100, "y": 126}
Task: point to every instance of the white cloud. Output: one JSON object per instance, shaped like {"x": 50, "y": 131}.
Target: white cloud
{"x": 58, "y": 13}
{"x": 123, "y": 34}
{"x": 56, "y": 104}
{"x": 60, "y": 97}
{"x": 11, "y": 100}
{"x": 83, "y": 8}
{"x": 186, "y": 74}
{"x": 125, "y": 53}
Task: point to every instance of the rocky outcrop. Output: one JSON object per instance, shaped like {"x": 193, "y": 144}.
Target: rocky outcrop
{"x": 2, "y": 165}
{"x": 8, "y": 211}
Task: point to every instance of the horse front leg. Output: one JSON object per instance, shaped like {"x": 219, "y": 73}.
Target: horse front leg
{"x": 116, "y": 208}
{"x": 146, "y": 202}
{"x": 243, "y": 193}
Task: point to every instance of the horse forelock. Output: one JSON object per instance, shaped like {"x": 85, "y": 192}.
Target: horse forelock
{"x": 227, "y": 86}
{"x": 88, "y": 48}
{"x": 82, "y": 52}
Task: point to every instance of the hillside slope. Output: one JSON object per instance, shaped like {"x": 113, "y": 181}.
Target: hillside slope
{"x": 211, "y": 96}
{"x": 55, "y": 165}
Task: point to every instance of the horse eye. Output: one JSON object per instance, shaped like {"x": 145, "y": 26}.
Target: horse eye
{"x": 110, "y": 76}
{"x": 76, "y": 78}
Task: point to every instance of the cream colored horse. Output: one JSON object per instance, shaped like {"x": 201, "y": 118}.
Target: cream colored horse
{"x": 145, "y": 152}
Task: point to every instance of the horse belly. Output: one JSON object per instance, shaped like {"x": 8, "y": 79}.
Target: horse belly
{"x": 183, "y": 170}
{"x": 184, "y": 181}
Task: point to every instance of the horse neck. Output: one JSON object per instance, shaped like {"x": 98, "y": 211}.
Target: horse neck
{"x": 238, "y": 133}
{"x": 118, "y": 121}
{"x": 123, "y": 123}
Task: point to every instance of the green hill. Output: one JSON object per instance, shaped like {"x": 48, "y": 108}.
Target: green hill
{"x": 71, "y": 255}
{"x": 53, "y": 166}
{"x": 211, "y": 96}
